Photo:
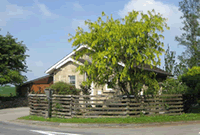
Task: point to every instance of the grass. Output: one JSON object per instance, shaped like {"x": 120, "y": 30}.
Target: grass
{"x": 144, "y": 119}
{"x": 6, "y": 90}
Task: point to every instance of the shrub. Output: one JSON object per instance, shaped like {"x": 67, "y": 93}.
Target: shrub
{"x": 62, "y": 88}
{"x": 86, "y": 90}
{"x": 173, "y": 86}
{"x": 193, "y": 71}
{"x": 192, "y": 80}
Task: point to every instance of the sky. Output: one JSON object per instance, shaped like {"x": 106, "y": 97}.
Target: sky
{"x": 44, "y": 25}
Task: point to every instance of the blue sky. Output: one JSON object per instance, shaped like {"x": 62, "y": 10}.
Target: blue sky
{"x": 44, "y": 25}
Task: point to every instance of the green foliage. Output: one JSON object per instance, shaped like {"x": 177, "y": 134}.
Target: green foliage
{"x": 152, "y": 89}
{"x": 192, "y": 80}
{"x": 171, "y": 66}
{"x": 114, "y": 43}
{"x": 142, "y": 114}
{"x": 58, "y": 106}
{"x": 193, "y": 71}
{"x": 62, "y": 88}
{"x": 170, "y": 60}
{"x": 12, "y": 60}
{"x": 190, "y": 37}
{"x": 166, "y": 106}
{"x": 173, "y": 86}
{"x": 86, "y": 90}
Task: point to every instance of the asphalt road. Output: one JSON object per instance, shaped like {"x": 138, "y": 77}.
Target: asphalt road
{"x": 7, "y": 128}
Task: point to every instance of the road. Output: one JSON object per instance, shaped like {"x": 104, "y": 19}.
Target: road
{"x": 7, "y": 128}
{"x": 13, "y": 113}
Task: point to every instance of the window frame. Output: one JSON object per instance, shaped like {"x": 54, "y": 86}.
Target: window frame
{"x": 69, "y": 76}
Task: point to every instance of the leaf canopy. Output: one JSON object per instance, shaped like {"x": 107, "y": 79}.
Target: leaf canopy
{"x": 120, "y": 48}
{"x": 12, "y": 60}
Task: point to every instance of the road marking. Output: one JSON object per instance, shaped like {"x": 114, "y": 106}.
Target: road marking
{"x": 52, "y": 133}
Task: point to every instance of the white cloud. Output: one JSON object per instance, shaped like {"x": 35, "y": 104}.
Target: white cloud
{"x": 44, "y": 10}
{"x": 77, "y": 7}
{"x": 14, "y": 10}
{"x": 167, "y": 10}
{"x": 9, "y": 11}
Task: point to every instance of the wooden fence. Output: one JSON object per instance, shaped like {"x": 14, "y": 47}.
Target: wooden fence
{"x": 67, "y": 106}
{"x": 38, "y": 104}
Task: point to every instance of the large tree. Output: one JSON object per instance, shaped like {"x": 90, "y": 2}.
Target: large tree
{"x": 120, "y": 49}
{"x": 12, "y": 60}
{"x": 190, "y": 38}
{"x": 171, "y": 65}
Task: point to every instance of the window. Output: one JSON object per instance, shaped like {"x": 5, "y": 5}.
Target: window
{"x": 72, "y": 80}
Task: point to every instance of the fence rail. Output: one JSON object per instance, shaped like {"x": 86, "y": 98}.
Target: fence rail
{"x": 67, "y": 106}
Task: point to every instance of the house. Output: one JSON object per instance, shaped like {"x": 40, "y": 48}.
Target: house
{"x": 37, "y": 85}
{"x": 65, "y": 70}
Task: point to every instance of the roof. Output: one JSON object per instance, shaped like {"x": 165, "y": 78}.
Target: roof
{"x": 31, "y": 81}
{"x": 156, "y": 69}
{"x": 81, "y": 61}
{"x": 49, "y": 71}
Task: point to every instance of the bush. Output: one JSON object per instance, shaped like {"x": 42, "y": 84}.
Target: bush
{"x": 192, "y": 80}
{"x": 62, "y": 88}
{"x": 193, "y": 71}
{"x": 86, "y": 90}
{"x": 173, "y": 86}
{"x": 152, "y": 88}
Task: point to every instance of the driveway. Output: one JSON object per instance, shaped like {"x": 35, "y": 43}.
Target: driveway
{"x": 13, "y": 113}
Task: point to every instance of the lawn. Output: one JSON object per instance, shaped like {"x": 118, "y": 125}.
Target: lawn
{"x": 143, "y": 119}
{"x": 6, "y": 90}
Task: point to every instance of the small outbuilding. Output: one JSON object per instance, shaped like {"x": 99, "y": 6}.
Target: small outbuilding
{"x": 37, "y": 85}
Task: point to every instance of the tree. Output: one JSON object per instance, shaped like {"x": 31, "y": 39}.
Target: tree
{"x": 12, "y": 60}
{"x": 190, "y": 37}
{"x": 171, "y": 66}
{"x": 120, "y": 49}
{"x": 170, "y": 61}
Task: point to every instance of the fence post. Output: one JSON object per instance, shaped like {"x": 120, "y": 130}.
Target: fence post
{"x": 49, "y": 93}
{"x": 127, "y": 106}
{"x": 29, "y": 103}
{"x": 71, "y": 106}
{"x": 142, "y": 104}
{"x": 158, "y": 105}
{"x": 49, "y": 104}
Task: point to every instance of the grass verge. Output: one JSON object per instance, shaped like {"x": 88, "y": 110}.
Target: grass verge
{"x": 143, "y": 119}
